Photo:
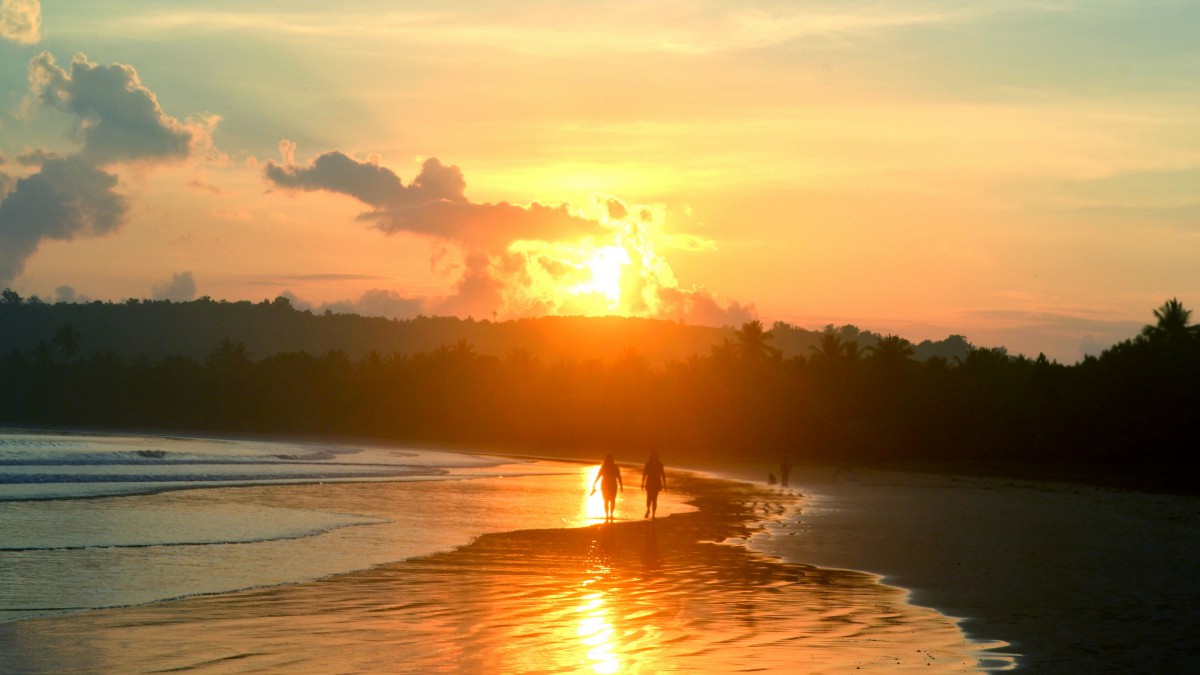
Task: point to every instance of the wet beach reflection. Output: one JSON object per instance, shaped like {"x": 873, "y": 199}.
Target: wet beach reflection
{"x": 625, "y": 597}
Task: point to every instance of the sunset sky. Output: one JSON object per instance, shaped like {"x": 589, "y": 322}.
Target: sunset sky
{"x": 1026, "y": 174}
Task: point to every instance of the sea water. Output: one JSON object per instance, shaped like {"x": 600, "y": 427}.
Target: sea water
{"x": 92, "y": 521}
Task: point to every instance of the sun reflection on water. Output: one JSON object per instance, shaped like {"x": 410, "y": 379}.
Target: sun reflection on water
{"x": 595, "y": 633}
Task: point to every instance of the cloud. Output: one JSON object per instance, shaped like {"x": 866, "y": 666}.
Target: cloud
{"x": 21, "y": 21}
{"x": 37, "y": 157}
{"x": 478, "y": 293}
{"x": 698, "y": 306}
{"x": 72, "y": 195}
{"x": 181, "y": 288}
{"x": 119, "y": 118}
{"x": 69, "y": 295}
{"x": 375, "y": 302}
{"x": 380, "y": 302}
{"x": 434, "y": 204}
{"x": 67, "y": 198}
{"x": 517, "y": 260}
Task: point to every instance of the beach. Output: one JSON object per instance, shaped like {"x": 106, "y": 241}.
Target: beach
{"x": 1079, "y": 579}
{"x": 499, "y": 565}
{"x": 479, "y": 563}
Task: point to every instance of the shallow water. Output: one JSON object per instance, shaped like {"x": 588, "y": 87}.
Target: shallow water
{"x": 65, "y": 555}
{"x": 400, "y": 577}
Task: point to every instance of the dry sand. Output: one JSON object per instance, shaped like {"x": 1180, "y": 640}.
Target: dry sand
{"x": 630, "y": 597}
{"x": 1078, "y": 579}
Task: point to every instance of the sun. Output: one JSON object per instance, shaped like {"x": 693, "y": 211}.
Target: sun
{"x": 605, "y": 266}
{"x": 619, "y": 272}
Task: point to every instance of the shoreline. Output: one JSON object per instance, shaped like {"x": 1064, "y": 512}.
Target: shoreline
{"x": 1076, "y": 578}
{"x": 681, "y": 591}
{"x": 1053, "y": 567}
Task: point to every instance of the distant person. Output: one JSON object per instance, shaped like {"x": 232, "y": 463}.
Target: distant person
{"x": 654, "y": 480}
{"x": 785, "y": 470}
{"x": 770, "y": 478}
{"x": 609, "y": 477}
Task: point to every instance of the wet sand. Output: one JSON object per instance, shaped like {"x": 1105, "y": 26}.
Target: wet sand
{"x": 1079, "y": 579}
{"x": 629, "y": 597}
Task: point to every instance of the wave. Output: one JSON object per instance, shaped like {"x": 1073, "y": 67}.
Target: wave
{"x": 45, "y": 478}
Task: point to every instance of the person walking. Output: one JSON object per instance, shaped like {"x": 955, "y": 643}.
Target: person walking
{"x": 654, "y": 480}
{"x": 609, "y": 477}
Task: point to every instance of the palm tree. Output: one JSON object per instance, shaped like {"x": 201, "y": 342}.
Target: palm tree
{"x": 752, "y": 342}
{"x": 67, "y": 341}
{"x": 229, "y": 355}
{"x": 1172, "y": 322}
{"x": 891, "y": 350}
{"x": 851, "y": 352}
{"x": 829, "y": 347}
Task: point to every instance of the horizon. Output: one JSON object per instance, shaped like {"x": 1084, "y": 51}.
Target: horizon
{"x": 1022, "y": 175}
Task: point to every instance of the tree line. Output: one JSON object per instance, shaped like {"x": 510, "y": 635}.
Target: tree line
{"x": 1132, "y": 406}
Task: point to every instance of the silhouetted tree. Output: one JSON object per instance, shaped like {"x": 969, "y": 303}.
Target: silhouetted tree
{"x": 67, "y": 341}
{"x": 752, "y": 342}
{"x": 1172, "y": 323}
{"x": 891, "y": 349}
{"x": 829, "y": 348}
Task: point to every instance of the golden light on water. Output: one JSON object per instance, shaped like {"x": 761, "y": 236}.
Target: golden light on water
{"x": 595, "y": 634}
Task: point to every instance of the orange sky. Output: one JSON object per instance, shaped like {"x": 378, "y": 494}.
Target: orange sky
{"x": 1024, "y": 174}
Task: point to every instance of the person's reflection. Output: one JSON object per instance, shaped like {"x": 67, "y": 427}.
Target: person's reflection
{"x": 650, "y": 561}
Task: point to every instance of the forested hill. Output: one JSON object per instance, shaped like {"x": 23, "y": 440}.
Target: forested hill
{"x": 159, "y": 329}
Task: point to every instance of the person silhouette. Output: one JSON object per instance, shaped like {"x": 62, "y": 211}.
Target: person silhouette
{"x": 609, "y": 477}
{"x": 654, "y": 480}
{"x": 785, "y": 470}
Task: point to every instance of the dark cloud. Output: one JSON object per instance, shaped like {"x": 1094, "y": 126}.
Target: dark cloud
{"x": 36, "y": 157}
{"x": 434, "y": 203}
{"x": 181, "y": 288}
{"x": 68, "y": 198}
{"x": 487, "y": 226}
{"x": 21, "y": 21}
{"x": 370, "y": 183}
{"x": 119, "y": 118}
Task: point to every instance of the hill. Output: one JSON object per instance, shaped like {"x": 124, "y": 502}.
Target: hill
{"x": 159, "y": 329}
